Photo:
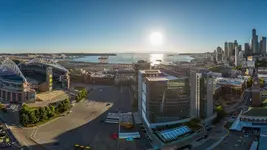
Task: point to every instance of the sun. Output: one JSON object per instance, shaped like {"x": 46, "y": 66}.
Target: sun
{"x": 156, "y": 38}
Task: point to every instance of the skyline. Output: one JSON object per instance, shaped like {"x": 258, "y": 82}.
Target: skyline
{"x": 125, "y": 26}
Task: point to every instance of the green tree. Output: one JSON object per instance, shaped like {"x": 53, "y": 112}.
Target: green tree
{"x": 261, "y": 82}
{"x": 52, "y": 111}
{"x": 66, "y": 104}
{"x": 24, "y": 119}
{"x": 32, "y": 117}
{"x": 48, "y": 111}
{"x": 43, "y": 113}
{"x": 37, "y": 114}
{"x": 249, "y": 82}
{"x": 60, "y": 107}
{"x": 24, "y": 109}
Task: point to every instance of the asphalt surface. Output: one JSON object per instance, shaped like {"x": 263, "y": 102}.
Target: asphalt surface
{"x": 84, "y": 127}
{"x": 236, "y": 141}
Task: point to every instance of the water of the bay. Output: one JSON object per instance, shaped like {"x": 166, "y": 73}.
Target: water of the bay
{"x": 131, "y": 58}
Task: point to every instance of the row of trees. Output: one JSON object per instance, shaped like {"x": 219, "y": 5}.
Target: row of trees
{"x": 30, "y": 116}
{"x": 81, "y": 94}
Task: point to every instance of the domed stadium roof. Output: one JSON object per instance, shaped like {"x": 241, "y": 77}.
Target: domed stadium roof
{"x": 10, "y": 71}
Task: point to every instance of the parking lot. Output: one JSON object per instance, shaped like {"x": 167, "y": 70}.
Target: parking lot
{"x": 84, "y": 125}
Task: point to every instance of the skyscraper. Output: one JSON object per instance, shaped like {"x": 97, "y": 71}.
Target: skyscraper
{"x": 231, "y": 49}
{"x": 254, "y": 42}
{"x": 204, "y": 97}
{"x": 236, "y": 56}
{"x": 219, "y": 53}
{"x": 246, "y": 49}
{"x": 226, "y": 50}
{"x": 263, "y": 45}
{"x": 235, "y": 43}
{"x": 253, "y": 33}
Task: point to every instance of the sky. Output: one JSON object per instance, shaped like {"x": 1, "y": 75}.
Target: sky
{"x": 125, "y": 25}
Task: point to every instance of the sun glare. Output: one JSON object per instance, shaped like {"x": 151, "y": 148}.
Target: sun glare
{"x": 156, "y": 38}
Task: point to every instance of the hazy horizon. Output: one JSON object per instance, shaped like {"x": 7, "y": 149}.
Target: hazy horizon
{"x": 125, "y": 26}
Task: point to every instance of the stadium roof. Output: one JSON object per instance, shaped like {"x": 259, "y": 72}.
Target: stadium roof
{"x": 10, "y": 71}
{"x": 48, "y": 63}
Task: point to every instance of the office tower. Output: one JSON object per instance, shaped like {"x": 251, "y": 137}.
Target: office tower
{"x": 141, "y": 75}
{"x": 165, "y": 100}
{"x": 236, "y": 56}
{"x": 235, "y": 43}
{"x": 263, "y": 45}
{"x": 239, "y": 48}
{"x": 254, "y": 42}
{"x": 254, "y": 32}
{"x": 241, "y": 57}
{"x": 204, "y": 108}
{"x": 219, "y": 54}
{"x": 226, "y": 50}
{"x": 140, "y": 65}
{"x": 193, "y": 94}
{"x": 231, "y": 49}
{"x": 246, "y": 49}
{"x": 250, "y": 47}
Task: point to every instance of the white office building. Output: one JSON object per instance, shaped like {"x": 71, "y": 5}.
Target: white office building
{"x": 202, "y": 96}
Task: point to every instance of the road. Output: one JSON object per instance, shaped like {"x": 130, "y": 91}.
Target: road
{"x": 236, "y": 141}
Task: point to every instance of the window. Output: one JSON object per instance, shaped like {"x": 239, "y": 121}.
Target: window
{"x": 14, "y": 97}
{"x": 19, "y": 97}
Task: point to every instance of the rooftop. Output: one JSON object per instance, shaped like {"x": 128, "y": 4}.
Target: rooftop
{"x": 263, "y": 139}
{"x": 150, "y": 71}
{"x": 229, "y": 81}
{"x": 9, "y": 74}
{"x": 256, "y": 111}
{"x": 164, "y": 78}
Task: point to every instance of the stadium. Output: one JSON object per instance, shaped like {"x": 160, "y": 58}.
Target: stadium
{"x": 19, "y": 83}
